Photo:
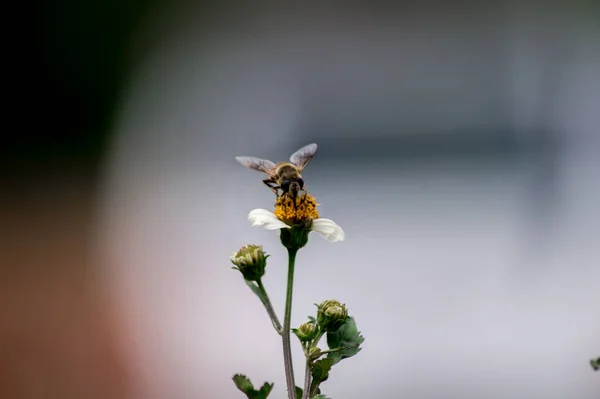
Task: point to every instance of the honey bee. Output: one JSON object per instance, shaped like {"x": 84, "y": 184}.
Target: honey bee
{"x": 284, "y": 176}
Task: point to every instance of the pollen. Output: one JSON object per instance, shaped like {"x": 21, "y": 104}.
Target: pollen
{"x": 295, "y": 210}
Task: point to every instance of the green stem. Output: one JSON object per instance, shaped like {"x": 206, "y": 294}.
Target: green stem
{"x": 309, "y": 389}
{"x": 313, "y": 390}
{"x": 267, "y": 302}
{"x": 333, "y": 350}
{"x": 316, "y": 340}
{"x": 307, "y": 380}
{"x": 285, "y": 332}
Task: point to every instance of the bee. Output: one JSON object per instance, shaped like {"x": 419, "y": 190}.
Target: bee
{"x": 284, "y": 176}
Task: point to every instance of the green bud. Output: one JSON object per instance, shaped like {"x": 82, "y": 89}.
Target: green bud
{"x": 250, "y": 261}
{"x": 314, "y": 353}
{"x": 331, "y": 314}
{"x": 296, "y": 237}
{"x": 595, "y": 364}
{"x": 306, "y": 332}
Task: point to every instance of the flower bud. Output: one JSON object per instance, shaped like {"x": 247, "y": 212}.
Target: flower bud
{"x": 331, "y": 314}
{"x": 306, "y": 332}
{"x": 250, "y": 261}
{"x": 314, "y": 353}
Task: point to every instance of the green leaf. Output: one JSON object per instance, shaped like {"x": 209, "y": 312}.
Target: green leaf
{"x": 254, "y": 287}
{"x": 320, "y": 372}
{"x": 321, "y": 368}
{"x": 245, "y": 385}
{"x": 312, "y": 320}
{"x": 265, "y": 390}
{"x": 348, "y": 338}
{"x": 299, "y": 392}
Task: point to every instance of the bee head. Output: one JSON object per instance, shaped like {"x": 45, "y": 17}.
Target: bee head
{"x": 292, "y": 185}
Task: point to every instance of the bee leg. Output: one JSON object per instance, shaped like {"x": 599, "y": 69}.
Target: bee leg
{"x": 298, "y": 197}
{"x": 272, "y": 185}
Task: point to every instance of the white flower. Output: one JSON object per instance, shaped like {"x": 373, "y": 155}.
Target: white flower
{"x": 266, "y": 219}
{"x": 326, "y": 227}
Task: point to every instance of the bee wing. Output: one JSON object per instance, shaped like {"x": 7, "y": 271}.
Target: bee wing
{"x": 261, "y": 165}
{"x": 302, "y": 157}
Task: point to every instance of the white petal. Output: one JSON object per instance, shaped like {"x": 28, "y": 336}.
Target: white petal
{"x": 266, "y": 219}
{"x": 328, "y": 229}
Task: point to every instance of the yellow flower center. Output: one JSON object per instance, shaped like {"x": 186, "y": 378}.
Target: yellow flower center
{"x": 293, "y": 211}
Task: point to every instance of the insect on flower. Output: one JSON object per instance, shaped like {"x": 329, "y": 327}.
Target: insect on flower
{"x": 284, "y": 176}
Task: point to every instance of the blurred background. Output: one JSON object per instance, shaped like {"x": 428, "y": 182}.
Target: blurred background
{"x": 458, "y": 149}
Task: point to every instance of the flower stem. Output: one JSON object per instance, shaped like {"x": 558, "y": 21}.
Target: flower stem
{"x": 316, "y": 340}
{"x": 307, "y": 380}
{"x": 334, "y": 350}
{"x": 267, "y": 302}
{"x": 285, "y": 332}
{"x": 313, "y": 390}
